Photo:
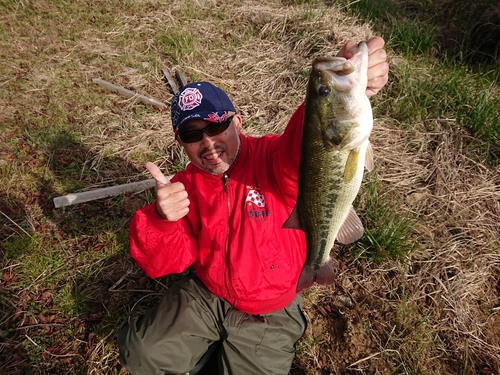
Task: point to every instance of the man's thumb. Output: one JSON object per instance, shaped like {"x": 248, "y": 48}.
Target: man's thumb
{"x": 156, "y": 173}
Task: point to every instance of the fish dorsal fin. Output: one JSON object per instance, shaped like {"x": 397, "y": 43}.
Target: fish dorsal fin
{"x": 369, "y": 164}
{"x": 293, "y": 220}
{"x": 351, "y": 230}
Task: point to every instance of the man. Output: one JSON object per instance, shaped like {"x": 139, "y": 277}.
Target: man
{"x": 223, "y": 216}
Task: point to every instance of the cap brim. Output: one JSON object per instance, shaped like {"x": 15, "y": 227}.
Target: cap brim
{"x": 209, "y": 116}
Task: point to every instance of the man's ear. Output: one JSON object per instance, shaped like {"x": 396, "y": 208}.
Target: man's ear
{"x": 238, "y": 123}
{"x": 178, "y": 139}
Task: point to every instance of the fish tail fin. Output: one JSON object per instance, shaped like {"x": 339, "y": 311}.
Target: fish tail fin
{"x": 325, "y": 275}
{"x": 306, "y": 278}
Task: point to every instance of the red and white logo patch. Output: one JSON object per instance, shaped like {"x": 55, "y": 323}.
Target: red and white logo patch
{"x": 214, "y": 117}
{"x": 190, "y": 99}
{"x": 256, "y": 198}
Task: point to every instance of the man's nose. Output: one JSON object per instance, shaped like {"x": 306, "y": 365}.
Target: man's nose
{"x": 207, "y": 140}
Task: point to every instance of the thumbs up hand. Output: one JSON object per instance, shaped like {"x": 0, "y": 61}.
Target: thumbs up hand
{"x": 172, "y": 202}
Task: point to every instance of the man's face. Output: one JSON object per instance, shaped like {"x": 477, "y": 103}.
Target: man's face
{"x": 213, "y": 154}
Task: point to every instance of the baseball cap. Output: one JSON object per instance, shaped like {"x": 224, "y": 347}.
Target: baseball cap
{"x": 201, "y": 101}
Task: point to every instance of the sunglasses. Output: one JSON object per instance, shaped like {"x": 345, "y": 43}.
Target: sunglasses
{"x": 214, "y": 128}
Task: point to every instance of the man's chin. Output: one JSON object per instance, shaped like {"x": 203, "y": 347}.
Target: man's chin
{"x": 217, "y": 169}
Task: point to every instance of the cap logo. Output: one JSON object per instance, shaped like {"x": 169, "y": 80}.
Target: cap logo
{"x": 190, "y": 98}
{"x": 215, "y": 117}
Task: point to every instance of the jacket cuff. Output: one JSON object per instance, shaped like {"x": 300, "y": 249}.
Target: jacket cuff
{"x": 157, "y": 221}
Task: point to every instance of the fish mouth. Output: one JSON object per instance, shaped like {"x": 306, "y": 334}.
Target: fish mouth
{"x": 344, "y": 73}
{"x": 334, "y": 65}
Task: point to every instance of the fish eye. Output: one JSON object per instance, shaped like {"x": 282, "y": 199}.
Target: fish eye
{"x": 324, "y": 91}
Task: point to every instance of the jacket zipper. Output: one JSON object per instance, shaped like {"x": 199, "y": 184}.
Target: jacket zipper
{"x": 225, "y": 182}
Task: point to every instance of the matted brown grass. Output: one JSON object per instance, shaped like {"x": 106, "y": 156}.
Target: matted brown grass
{"x": 436, "y": 311}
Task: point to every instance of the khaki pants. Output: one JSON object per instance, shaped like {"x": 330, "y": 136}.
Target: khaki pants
{"x": 175, "y": 334}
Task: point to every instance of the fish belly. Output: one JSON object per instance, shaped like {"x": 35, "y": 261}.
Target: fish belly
{"x": 324, "y": 200}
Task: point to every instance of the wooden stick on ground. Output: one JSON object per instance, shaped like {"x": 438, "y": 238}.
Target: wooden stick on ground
{"x": 181, "y": 77}
{"x": 170, "y": 80}
{"x": 91, "y": 195}
{"x": 130, "y": 94}
{"x": 86, "y": 196}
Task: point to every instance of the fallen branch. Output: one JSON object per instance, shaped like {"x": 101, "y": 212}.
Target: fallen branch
{"x": 181, "y": 77}
{"x": 86, "y": 196}
{"x": 170, "y": 80}
{"x": 130, "y": 94}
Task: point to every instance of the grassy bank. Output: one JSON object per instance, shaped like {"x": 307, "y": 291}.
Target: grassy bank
{"x": 418, "y": 294}
{"x": 451, "y": 67}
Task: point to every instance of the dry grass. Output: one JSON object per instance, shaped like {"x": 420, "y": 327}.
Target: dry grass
{"x": 437, "y": 311}
{"x": 453, "y": 278}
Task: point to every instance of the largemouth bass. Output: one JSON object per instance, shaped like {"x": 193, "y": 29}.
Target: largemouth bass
{"x": 335, "y": 148}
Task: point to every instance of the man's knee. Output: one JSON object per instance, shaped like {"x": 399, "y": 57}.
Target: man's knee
{"x": 133, "y": 354}
{"x": 141, "y": 353}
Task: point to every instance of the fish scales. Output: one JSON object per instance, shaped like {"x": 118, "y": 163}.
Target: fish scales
{"x": 324, "y": 207}
{"x": 335, "y": 146}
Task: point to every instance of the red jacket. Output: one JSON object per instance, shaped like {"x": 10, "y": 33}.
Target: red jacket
{"x": 233, "y": 232}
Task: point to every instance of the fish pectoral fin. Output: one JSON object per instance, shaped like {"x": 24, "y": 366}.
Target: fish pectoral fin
{"x": 369, "y": 164}
{"x": 351, "y": 165}
{"x": 293, "y": 220}
{"x": 351, "y": 230}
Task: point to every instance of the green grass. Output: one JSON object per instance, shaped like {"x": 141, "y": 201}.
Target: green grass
{"x": 177, "y": 44}
{"x": 373, "y": 11}
{"x": 411, "y": 37}
{"x": 429, "y": 89}
{"x": 60, "y": 133}
{"x": 388, "y": 233}
{"x": 447, "y": 93}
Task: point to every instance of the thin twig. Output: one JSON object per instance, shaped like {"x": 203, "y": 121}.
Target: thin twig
{"x": 49, "y": 353}
{"x": 362, "y": 360}
{"x": 38, "y": 325}
{"x": 119, "y": 281}
{"x": 17, "y": 225}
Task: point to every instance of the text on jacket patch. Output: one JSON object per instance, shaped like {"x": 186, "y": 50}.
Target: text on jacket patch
{"x": 256, "y": 204}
